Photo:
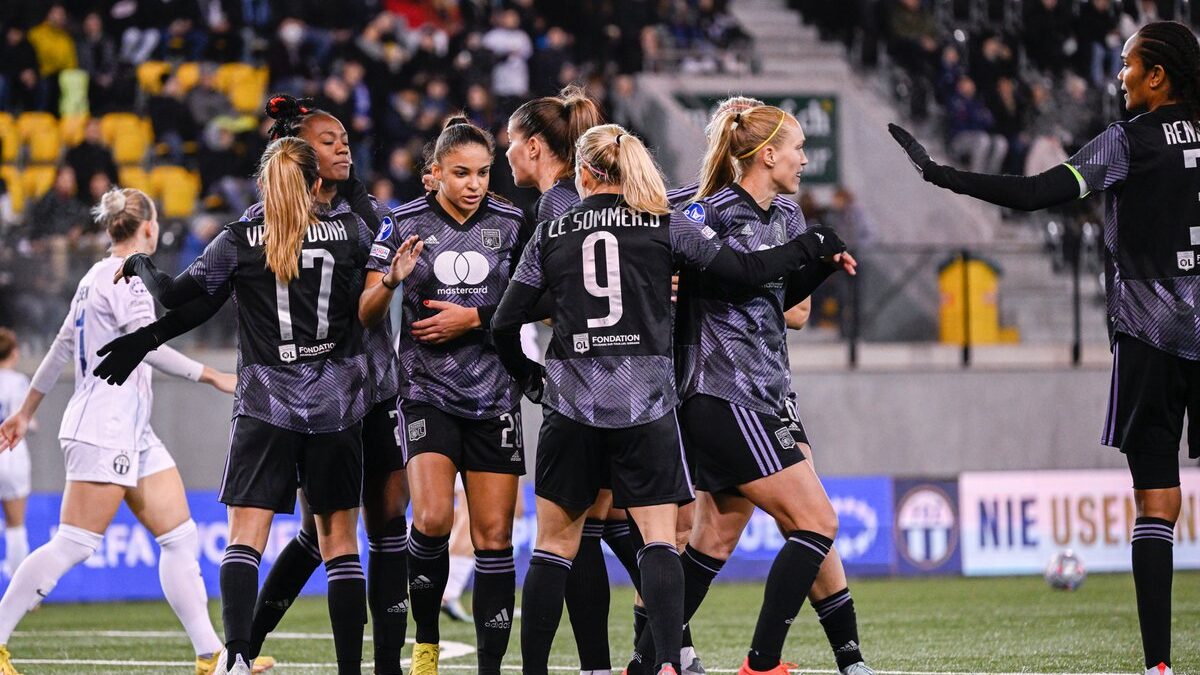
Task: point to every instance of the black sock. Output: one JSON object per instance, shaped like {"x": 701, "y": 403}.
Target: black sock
{"x": 292, "y": 569}
{"x": 662, "y": 591}
{"x": 239, "y": 590}
{"x": 791, "y": 576}
{"x": 618, "y": 536}
{"x": 492, "y": 602}
{"x": 588, "y": 599}
{"x": 841, "y": 627}
{"x": 541, "y": 609}
{"x": 1153, "y": 559}
{"x": 639, "y": 622}
{"x": 387, "y": 595}
{"x": 428, "y": 567}
{"x": 687, "y": 636}
{"x": 699, "y": 570}
{"x": 347, "y": 610}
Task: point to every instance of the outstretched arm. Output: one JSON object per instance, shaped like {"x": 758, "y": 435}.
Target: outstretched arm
{"x": 171, "y": 291}
{"x": 124, "y": 354}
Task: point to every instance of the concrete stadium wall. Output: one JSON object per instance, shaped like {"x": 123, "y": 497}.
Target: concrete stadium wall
{"x": 902, "y": 423}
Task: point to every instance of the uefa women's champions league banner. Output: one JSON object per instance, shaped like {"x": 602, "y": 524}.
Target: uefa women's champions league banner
{"x": 1013, "y": 522}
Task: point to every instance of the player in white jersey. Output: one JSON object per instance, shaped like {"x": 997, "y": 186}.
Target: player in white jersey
{"x": 14, "y": 465}
{"x": 111, "y": 453}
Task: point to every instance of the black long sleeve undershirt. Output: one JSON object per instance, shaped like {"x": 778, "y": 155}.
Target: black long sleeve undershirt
{"x": 1023, "y": 193}
{"x": 802, "y": 283}
{"x": 760, "y": 267}
{"x": 171, "y": 292}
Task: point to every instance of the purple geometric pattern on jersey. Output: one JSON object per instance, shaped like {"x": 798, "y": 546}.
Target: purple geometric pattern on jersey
{"x": 529, "y": 268}
{"x": 741, "y": 355}
{"x": 682, "y": 195}
{"x": 559, "y": 199}
{"x": 216, "y": 264}
{"x": 611, "y": 392}
{"x": 377, "y": 340}
{"x": 468, "y": 267}
{"x": 1104, "y": 161}
{"x": 689, "y": 242}
{"x": 337, "y": 392}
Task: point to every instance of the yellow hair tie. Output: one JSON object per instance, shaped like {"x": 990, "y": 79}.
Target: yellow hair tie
{"x": 760, "y": 146}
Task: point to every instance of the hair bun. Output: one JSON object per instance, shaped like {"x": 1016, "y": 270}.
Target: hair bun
{"x": 455, "y": 121}
{"x": 283, "y": 106}
{"x": 112, "y": 203}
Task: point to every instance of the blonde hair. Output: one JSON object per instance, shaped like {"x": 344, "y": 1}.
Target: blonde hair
{"x": 614, "y": 156}
{"x": 738, "y": 136}
{"x": 733, "y": 103}
{"x": 286, "y": 174}
{"x": 122, "y": 211}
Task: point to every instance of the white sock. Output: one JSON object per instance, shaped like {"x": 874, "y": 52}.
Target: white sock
{"x": 40, "y": 572}
{"x": 16, "y": 547}
{"x": 179, "y": 574}
{"x": 461, "y": 568}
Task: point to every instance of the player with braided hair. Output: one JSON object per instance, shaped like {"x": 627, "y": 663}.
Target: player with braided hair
{"x": 1149, "y": 166}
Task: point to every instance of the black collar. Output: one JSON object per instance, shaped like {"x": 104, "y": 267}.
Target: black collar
{"x": 470, "y": 222}
{"x": 764, "y": 215}
{"x": 603, "y": 200}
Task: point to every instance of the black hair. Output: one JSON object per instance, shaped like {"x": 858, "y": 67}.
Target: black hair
{"x": 1172, "y": 46}
{"x": 459, "y": 131}
{"x": 289, "y": 114}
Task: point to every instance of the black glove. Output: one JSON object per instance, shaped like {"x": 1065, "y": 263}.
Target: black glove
{"x": 124, "y": 354}
{"x": 820, "y": 243}
{"x": 354, "y": 191}
{"x": 917, "y": 154}
{"x": 533, "y": 382}
{"x": 129, "y": 267}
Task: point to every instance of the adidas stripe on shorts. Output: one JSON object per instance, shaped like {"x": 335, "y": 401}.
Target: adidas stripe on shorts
{"x": 730, "y": 445}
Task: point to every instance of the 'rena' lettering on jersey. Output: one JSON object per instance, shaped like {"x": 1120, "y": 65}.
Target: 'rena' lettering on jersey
{"x": 731, "y": 338}
{"x": 1149, "y": 168}
{"x": 384, "y": 370}
{"x": 301, "y": 364}
{"x": 608, "y": 270}
{"x": 467, "y": 264}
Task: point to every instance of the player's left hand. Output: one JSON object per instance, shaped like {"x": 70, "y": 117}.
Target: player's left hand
{"x": 451, "y": 321}
{"x": 533, "y": 384}
{"x": 124, "y": 354}
{"x": 845, "y": 262}
{"x": 917, "y": 154}
{"x": 351, "y": 188}
{"x": 125, "y": 271}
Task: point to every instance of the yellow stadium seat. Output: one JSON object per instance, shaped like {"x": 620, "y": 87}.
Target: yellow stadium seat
{"x": 37, "y": 180}
{"x": 149, "y": 75}
{"x": 10, "y": 140}
{"x": 72, "y": 129}
{"x": 128, "y": 135}
{"x": 39, "y": 131}
{"x": 188, "y": 75}
{"x": 12, "y": 179}
{"x": 244, "y": 84}
{"x": 136, "y": 177}
{"x": 177, "y": 188}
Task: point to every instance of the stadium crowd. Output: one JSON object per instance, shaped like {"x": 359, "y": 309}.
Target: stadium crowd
{"x": 195, "y": 72}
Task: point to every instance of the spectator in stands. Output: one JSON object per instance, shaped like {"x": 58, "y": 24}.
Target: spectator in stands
{"x": 91, "y": 156}
{"x": 218, "y": 164}
{"x": 173, "y": 124}
{"x": 8, "y": 214}
{"x": 98, "y": 184}
{"x": 993, "y": 61}
{"x": 96, "y": 52}
{"x": 361, "y": 123}
{"x": 19, "y": 70}
{"x": 204, "y": 102}
{"x": 473, "y": 63}
{"x": 512, "y": 47}
{"x": 1076, "y": 112}
{"x": 1049, "y": 39}
{"x": 55, "y": 49}
{"x": 1099, "y": 40}
{"x": 971, "y": 130}
{"x": 1010, "y": 112}
{"x": 548, "y": 61}
{"x": 381, "y": 189}
{"x": 851, "y": 221}
{"x": 291, "y": 62}
{"x": 222, "y": 21}
{"x": 59, "y": 213}
{"x": 914, "y": 42}
{"x": 402, "y": 172}
{"x": 950, "y": 68}
{"x": 480, "y": 108}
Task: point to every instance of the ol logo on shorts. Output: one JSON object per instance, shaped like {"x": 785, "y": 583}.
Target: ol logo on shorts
{"x": 121, "y": 464}
{"x": 416, "y": 430}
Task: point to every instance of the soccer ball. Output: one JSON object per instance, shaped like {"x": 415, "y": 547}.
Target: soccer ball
{"x": 1065, "y": 571}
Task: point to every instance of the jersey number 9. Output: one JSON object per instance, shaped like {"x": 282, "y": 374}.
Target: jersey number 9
{"x": 611, "y": 290}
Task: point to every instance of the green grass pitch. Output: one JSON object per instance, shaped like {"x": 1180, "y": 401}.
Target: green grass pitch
{"x": 942, "y": 625}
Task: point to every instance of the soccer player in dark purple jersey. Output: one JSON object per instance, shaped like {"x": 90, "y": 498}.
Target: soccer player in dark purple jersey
{"x": 385, "y": 491}
{"x": 733, "y": 378}
{"x": 542, "y": 136}
{"x": 459, "y": 411}
{"x": 608, "y": 382}
{"x": 830, "y": 593}
{"x": 302, "y": 385}
{"x": 1149, "y": 167}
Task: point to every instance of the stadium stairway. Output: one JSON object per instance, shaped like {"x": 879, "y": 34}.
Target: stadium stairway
{"x": 906, "y": 212}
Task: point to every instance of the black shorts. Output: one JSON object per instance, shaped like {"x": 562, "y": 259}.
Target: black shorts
{"x": 267, "y": 463}
{"x": 791, "y": 417}
{"x": 382, "y": 451}
{"x": 645, "y": 463}
{"x": 1150, "y": 392}
{"x": 732, "y": 445}
{"x": 492, "y": 445}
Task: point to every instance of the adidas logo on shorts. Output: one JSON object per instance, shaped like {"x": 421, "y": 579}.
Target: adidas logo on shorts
{"x": 516, "y": 457}
{"x": 501, "y": 620}
{"x": 421, "y": 582}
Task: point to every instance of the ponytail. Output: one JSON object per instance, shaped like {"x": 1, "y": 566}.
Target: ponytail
{"x": 560, "y": 121}
{"x": 737, "y": 137}
{"x": 286, "y": 174}
{"x": 617, "y": 157}
{"x": 122, "y": 211}
{"x": 1172, "y": 46}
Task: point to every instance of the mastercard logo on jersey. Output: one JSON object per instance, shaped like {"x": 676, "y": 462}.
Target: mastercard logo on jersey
{"x": 385, "y": 228}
